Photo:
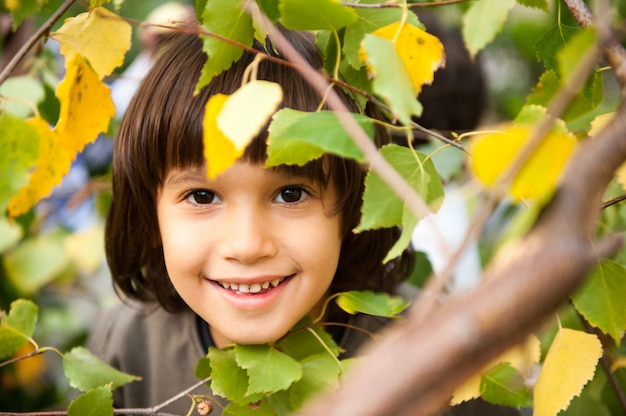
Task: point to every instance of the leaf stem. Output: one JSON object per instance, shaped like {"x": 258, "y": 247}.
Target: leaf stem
{"x": 30, "y": 43}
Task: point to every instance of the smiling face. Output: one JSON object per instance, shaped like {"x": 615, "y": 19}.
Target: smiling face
{"x": 252, "y": 251}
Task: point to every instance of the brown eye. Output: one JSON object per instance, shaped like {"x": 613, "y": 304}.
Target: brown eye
{"x": 203, "y": 197}
{"x": 291, "y": 195}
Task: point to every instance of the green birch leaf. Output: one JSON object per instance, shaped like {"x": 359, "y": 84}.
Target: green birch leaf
{"x": 549, "y": 45}
{"x": 315, "y": 15}
{"x": 22, "y": 9}
{"x": 569, "y": 57}
{"x": 269, "y": 369}
{"x": 85, "y": 371}
{"x": 297, "y": 137}
{"x": 29, "y": 276}
{"x": 96, "y": 402}
{"x": 320, "y": 372}
{"x": 10, "y": 234}
{"x": 262, "y": 408}
{"x": 381, "y": 206}
{"x": 229, "y": 379}
{"x": 601, "y": 299}
{"x": 372, "y": 303}
{"x": 536, "y": 4}
{"x": 504, "y": 385}
{"x": 301, "y": 344}
{"x": 367, "y": 21}
{"x": 17, "y": 327}
{"x": 271, "y": 8}
{"x": 483, "y": 21}
{"x": 19, "y": 149}
{"x": 409, "y": 222}
{"x": 391, "y": 80}
{"x": 228, "y": 19}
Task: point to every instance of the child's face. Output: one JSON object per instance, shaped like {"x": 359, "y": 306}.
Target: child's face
{"x": 252, "y": 251}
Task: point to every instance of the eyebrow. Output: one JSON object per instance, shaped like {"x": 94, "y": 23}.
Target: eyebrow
{"x": 186, "y": 175}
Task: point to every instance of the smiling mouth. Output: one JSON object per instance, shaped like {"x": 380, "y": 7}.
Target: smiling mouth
{"x": 254, "y": 288}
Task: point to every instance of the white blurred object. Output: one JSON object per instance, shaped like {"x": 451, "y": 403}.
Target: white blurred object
{"x": 441, "y": 234}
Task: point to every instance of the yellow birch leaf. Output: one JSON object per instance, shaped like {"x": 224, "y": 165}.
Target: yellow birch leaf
{"x": 492, "y": 153}
{"x": 599, "y": 122}
{"x": 86, "y": 106}
{"x": 571, "y": 362}
{"x": 256, "y": 101}
{"x": 52, "y": 164}
{"x": 219, "y": 152}
{"x": 421, "y": 52}
{"x": 521, "y": 357}
{"x": 100, "y": 36}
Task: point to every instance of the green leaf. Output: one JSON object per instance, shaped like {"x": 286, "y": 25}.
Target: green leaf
{"x": 555, "y": 39}
{"x": 320, "y": 372}
{"x": 315, "y": 15}
{"x": 270, "y": 8}
{"x": 482, "y": 22}
{"x": 19, "y": 149}
{"x": 269, "y": 369}
{"x": 504, "y": 385}
{"x": 372, "y": 303}
{"x": 229, "y": 379}
{"x": 537, "y": 4}
{"x": 28, "y": 275}
{"x": 17, "y": 327}
{"x": 300, "y": 344}
{"x": 297, "y": 137}
{"x": 381, "y": 206}
{"x": 23, "y": 9}
{"x": 601, "y": 299}
{"x": 10, "y": 234}
{"x": 261, "y": 408}
{"x": 85, "y": 371}
{"x": 569, "y": 57}
{"x": 367, "y": 21}
{"x": 19, "y": 91}
{"x": 228, "y": 19}
{"x": 409, "y": 222}
{"x": 96, "y": 402}
{"x": 391, "y": 79}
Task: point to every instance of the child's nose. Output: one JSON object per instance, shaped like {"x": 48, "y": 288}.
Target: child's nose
{"x": 248, "y": 236}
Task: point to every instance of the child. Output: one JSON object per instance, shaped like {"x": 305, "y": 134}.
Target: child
{"x": 237, "y": 259}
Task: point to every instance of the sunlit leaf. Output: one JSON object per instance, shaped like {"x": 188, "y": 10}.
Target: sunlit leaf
{"x": 369, "y": 20}
{"x": 570, "y": 56}
{"x": 10, "y": 233}
{"x": 297, "y": 137}
{"x": 392, "y": 81}
{"x": 85, "y": 371}
{"x": 320, "y": 372}
{"x": 258, "y": 100}
{"x": 227, "y": 19}
{"x": 599, "y": 122}
{"x": 96, "y": 402}
{"x": 570, "y": 364}
{"x": 601, "y": 299}
{"x": 504, "y": 385}
{"x": 101, "y": 36}
{"x": 269, "y": 369}
{"x": 372, "y": 303}
{"x": 29, "y": 276}
{"x": 492, "y": 153}
{"x": 19, "y": 149}
{"x": 537, "y": 4}
{"x": 86, "y": 248}
{"x": 521, "y": 358}
{"x": 219, "y": 152}
{"x": 22, "y": 94}
{"x": 421, "y": 52}
{"x": 315, "y": 15}
{"x": 228, "y": 378}
{"x": 381, "y": 206}
{"x": 482, "y": 22}
{"x": 17, "y": 326}
{"x": 260, "y": 408}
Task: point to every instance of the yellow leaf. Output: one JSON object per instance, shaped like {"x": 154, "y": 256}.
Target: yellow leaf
{"x": 421, "y": 52}
{"x": 599, "y": 122}
{"x": 86, "y": 109}
{"x": 521, "y": 357}
{"x": 86, "y": 106}
{"x": 570, "y": 364}
{"x": 219, "y": 152}
{"x": 493, "y": 152}
{"x": 52, "y": 164}
{"x": 100, "y": 36}
{"x": 256, "y": 101}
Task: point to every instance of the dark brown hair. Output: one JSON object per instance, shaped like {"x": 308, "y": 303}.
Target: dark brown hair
{"x": 162, "y": 130}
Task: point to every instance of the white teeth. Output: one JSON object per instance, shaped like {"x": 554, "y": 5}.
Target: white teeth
{"x": 252, "y": 288}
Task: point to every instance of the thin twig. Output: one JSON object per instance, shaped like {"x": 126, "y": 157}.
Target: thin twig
{"x": 40, "y": 33}
{"x": 613, "y": 201}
